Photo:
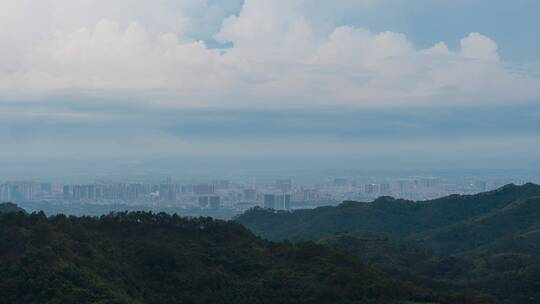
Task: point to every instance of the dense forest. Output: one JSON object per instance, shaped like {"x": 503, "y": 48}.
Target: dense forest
{"x": 10, "y": 207}
{"x": 509, "y": 277}
{"x": 159, "y": 258}
{"x": 476, "y": 249}
{"x": 487, "y": 243}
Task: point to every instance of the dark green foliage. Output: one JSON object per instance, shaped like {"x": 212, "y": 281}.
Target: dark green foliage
{"x": 159, "y": 258}
{"x": 516, "y": 228}
{"x": 503, "y": 278}
{"x": 10, "y": 207}
{"x": 496, "y": 220}
{"x": 482, "y": 248}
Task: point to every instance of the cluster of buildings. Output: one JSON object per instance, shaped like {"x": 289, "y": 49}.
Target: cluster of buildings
{"x": 277, "y": 201}
{"x": 211, "y": 195}
{"x": 278, "y": 194}
{"x": 25, "y": 191}
{"x": 205, "y": 194}
{"x": 96, "y": 192}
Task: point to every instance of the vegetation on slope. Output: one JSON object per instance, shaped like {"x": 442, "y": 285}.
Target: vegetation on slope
{"x": 486, "y": 245}
{"x": 158, "y": 258}
{"x": 452, "y": 224}
{"x": 512, "y": 228}
{"x": 10, "y": 208}
{"x": 496, "y": 278}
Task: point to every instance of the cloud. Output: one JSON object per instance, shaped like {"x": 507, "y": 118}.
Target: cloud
{"x": 446, "y": 137}
{"x": 280, "y": 54}
{"x": 109, "y": 57}
{"x": 477, "y": 46}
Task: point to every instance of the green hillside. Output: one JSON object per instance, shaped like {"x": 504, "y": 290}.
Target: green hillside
{"x": 502, "y": 278}
{"x": 487, "y": 244}
{"x": 512, "y": 228}
{"x": 10, "y": 207}
{"x": 479, "y": 249}
{"x": 451, "y": 224}
{"x": 158, "y": 258}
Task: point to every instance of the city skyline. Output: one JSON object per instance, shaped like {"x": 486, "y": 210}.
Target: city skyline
{"x": 226, "y": 198}
{"x": 270, "y": 151}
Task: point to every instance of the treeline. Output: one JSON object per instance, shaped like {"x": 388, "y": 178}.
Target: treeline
{"x": 142, "y": 257}
{"x": 487, "y": 244}
{"x": 495, "y": 278}
{"x": 475, "y": 249}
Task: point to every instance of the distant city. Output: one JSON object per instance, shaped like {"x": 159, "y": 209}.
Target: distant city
{"x": 227, "y": 197}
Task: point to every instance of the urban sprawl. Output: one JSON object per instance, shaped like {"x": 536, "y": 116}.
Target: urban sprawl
{"x": 278, "y": 194}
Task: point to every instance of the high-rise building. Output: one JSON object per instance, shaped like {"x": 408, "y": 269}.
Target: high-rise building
{"x": 340, "y": 182}
{"x": 277, "y": 201}
{"x": 284, "y": 185}
{"x": 92, "y": 192}
{"x": 67, "y": 192}
{"x": 76, "y": 192}
{"x": 45, "y": 188}
{"x": 250, "y": 194}
{"x": 429, "y": 182}
{"x": 187, "y": 189}
{"x": 220, "y": 184}
{"x": 5, "y": 193}
{"x": 287, "y": 203}
{"x": 269, "y": 201}
{"x": 384, "y": 188}
{"x": 370, "y": 188}
{"x": 83, "y": 192}
{"x": 307, "y": 195}
{"x": 403, "y": 185}
{"x": 203, "y": 189}
{"x": 283, "y": 202}
{"x": 167, "y": 192}
{"x": 215, "y": 202}
{"x": 203, "y": 201}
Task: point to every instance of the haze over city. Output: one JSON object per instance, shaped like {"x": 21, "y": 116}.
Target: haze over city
{"x": 270, "y": 151}
{"x": 267, "y": 85}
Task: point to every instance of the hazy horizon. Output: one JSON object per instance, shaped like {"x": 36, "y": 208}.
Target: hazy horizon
{"x": 270, "y": 151}
{"x": 192, "y": 85}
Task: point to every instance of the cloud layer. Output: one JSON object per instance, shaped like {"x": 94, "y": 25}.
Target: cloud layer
{"x": 280, "y": 54}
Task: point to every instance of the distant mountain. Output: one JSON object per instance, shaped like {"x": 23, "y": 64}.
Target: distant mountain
{"x": 513, "y": 228}
{"x": 497, "y": 220}
{"x": 475, "y": 249}
{"x": 487, "y": 245}
{"x": 10, "y": 207}
{"x": 159, "y": 258}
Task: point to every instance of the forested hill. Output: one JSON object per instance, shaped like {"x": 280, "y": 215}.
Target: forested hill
{"x": 488, "y": 243}
{"x": 10, "y": 207}
{"x": 507, "y": 219}
{"x": 159, "y": 258}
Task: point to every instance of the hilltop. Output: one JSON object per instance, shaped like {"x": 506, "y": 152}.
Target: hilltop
{"x": 486, "y": 244}
{"x": 454, "y": 224}
{"x": 158, "y": 258}
{"x": 10, "y": 207}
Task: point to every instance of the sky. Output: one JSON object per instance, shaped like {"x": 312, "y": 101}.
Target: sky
{"x": 228, "y": 85}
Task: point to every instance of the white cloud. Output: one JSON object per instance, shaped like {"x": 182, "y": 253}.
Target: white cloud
{"x": 280, "y": 55}
{"x": 439, "y": 48}
{"x": 109, "y": 57}
{"x": 476, "y": 46}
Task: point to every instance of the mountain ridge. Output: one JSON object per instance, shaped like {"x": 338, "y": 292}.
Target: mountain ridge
{"x": 150, "y": 258}
{"x": 397, "y": 218}
{"x": 10, "y": 208}
{"x": 487, "y": 243}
